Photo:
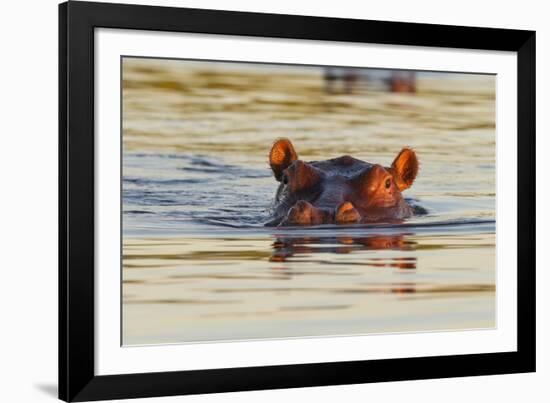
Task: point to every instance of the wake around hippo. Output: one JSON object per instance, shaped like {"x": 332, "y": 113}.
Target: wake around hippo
{"x": 341, "y": 190}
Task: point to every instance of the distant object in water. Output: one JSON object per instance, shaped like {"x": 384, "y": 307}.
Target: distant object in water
{"x": 341, "y": 190}
{"x": 350, "y": 80}
{"x": 403, "y": 81}
{"x": 345, "y": 78}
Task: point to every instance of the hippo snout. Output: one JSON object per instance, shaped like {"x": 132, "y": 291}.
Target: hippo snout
{"x": 305, "y": 213}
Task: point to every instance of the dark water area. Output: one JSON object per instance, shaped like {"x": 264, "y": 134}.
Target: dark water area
{"x": 198, "y": 262}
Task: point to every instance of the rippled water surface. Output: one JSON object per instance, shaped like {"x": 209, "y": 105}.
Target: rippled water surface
{"x": 199, "y": 265}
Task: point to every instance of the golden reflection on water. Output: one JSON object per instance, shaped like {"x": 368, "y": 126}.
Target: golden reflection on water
{"x": 192, "y": 289}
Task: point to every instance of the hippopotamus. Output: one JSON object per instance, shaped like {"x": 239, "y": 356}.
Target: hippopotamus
{"x": 342, "y": 190}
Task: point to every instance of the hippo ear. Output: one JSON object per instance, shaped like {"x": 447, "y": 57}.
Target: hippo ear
{"x": 281, "y": 156}
{"x": 404, "y": 168}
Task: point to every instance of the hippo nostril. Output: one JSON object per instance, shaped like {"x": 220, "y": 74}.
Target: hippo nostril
{"x": 304, "y": 213}
{"x": 346, "y": 213}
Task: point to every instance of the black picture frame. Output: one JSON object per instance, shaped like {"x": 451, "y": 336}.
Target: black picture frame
{"x": 77, "y": 379}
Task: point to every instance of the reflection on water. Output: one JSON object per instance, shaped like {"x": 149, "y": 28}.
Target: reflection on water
{"x": 282, "y": 285}
{"x": 198, "y": 264}
{"x": 286, "y": 248}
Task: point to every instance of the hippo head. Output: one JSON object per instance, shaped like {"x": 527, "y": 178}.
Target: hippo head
{"x": 341, "y": 190}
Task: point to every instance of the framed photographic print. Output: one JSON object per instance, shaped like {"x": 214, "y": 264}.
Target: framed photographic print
{"x": 259, "y": 201}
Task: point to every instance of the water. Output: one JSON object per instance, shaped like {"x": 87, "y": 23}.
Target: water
{"x": 198, "y": 264}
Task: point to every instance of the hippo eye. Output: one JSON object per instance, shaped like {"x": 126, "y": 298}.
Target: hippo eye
{"x": 387, "y": 183}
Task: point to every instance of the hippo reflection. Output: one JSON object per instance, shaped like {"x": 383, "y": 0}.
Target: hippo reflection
{"x": 286, "y": 247}
{"x": 341, "y": 190}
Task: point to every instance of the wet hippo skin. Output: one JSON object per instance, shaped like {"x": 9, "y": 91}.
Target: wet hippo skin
{"x": 341, "y": 190}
